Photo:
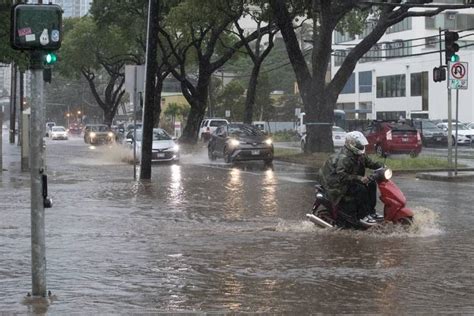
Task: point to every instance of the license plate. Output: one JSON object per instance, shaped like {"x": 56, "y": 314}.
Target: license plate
{"x": 160, "y": 155}
{"x": 255, "y": 152}
{"x": 404, "y": 139}
{"x": 438, "y": 139}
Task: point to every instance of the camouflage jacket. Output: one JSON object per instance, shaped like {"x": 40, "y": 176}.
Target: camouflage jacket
{"x": 341, "y": 169}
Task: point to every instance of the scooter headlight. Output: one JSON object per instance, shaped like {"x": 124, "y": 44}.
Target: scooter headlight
{"x": 92, "y": 135}
{"x": 388, "y": 174}
{"x": 268, "y": 141}
{"x": 110, "y": 134}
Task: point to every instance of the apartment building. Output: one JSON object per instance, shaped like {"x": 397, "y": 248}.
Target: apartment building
{"x": 395, "y": 78}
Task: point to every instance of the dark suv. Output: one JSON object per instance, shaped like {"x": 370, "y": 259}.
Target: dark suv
{"x": 98, "y": 134}
{"x": 431, "y": 135}
{"x": 392, "y": 138}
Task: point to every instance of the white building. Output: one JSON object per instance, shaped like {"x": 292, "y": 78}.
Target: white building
{"x": 386, "y": 86}
{"x": 71, "y": 8}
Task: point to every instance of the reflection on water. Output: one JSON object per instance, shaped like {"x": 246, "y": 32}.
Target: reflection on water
{"x": 175, "y": 189}
{"x": 268, "y": 199}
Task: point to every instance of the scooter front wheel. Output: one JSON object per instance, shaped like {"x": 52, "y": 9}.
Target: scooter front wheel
{"x": 405, "y": 221}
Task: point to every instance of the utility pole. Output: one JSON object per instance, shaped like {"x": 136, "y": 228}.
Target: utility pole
{"x": 13, "y": 103}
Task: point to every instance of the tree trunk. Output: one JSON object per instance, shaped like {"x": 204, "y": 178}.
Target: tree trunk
{"x": 150, "y": 91}
{"x": 251, "y": 92}
{"x": 191, "y": 130}
{"x": 157, "y": 111}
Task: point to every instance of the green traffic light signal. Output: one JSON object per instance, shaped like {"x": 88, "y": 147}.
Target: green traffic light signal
{"x": 455, "y": 58}
{"x": 50, "y": 58}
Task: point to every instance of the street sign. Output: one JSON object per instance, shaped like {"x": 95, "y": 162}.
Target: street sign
{"x": 457, "y": 75}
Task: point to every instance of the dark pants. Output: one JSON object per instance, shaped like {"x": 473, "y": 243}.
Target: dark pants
{"x": 360, "y": 199}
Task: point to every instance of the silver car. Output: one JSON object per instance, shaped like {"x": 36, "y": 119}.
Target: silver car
{"x": 164, "y": 147}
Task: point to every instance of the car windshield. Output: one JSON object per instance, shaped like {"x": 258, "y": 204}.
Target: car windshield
{"x": 429, "y": 125}
{"x": 99, "y": 128}
{"x": 59, "y": 129}
{"x": 337, "y": 129}
{"x": 159, "y": 134}
{"x": 244, "y": 130}
{"x": 215, "y": 123}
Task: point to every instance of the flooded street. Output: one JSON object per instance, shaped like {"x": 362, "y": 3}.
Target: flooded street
{"x": 203, "y": 236}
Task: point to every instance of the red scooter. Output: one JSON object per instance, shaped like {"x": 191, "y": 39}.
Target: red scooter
{"x": 325, "y": 214}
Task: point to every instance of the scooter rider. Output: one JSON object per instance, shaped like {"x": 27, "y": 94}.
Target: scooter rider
{"x": 343, "y": 176}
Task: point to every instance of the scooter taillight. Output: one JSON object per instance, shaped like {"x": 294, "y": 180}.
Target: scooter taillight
{"x": 389, "y": 135}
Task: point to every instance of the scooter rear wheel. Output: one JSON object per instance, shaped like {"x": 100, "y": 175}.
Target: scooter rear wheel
{"x": 325, "y": 215}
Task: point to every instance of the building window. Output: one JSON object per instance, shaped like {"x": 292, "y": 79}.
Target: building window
{"x": 339, "y": 56}
{"x": 350, "y": 85}
{"x": 342, "y": 37}
{"x": 403, "y": 25}
{"x": 418, "y": 81}
{"x": 365, "y": 81}
{"x": 374, "y": 54}
{"x": 398, "y": 48}
{"x": 391, "y": 115}
{"x": 391, "y": 86}
{"x": 419, "y": 87}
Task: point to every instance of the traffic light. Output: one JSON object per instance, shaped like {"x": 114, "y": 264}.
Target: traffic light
{"x": 439, "y": 74}
{"x": 50, "y": 58}
{"x": 450, "y": 45}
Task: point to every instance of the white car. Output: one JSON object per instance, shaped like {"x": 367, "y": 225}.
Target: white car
{"x": 164, "y": 147}
{"x": 338, "y": 137}
{"x": 465, "y": 135}
{"x": 470, "y": 125}
{"x": 208, "y": 126}
{"x": 58, "y": 132}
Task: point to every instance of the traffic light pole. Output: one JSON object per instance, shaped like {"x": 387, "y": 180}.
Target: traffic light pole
{"x": 38, "y": 245}
{"x": 450, "y": 132}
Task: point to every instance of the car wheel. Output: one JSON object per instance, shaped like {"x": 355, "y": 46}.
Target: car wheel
{"x": 227, "y": 156}
{"x": 414, "y": 154}
{"x": 379, "y": 151}
{"x": 210, "y": 153}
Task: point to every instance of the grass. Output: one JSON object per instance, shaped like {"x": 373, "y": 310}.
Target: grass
{"x": 399, "y": 162}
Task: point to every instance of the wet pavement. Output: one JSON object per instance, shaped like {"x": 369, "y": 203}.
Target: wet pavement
{"x": 209, "y": 237}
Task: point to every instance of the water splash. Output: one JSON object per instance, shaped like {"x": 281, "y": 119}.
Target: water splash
{"x": 425, "y": 224}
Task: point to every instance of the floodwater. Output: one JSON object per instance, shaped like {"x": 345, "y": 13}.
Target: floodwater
{"x": 208, "y": 237}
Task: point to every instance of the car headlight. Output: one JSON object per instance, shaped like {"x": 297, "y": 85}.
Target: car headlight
{"x": 92, "y": 135}
{"x": 234, "y": 142}
{"x": 268, "y": 141}
{"x": 388, "y": 174}
{"x": 110, "y": 134}
{"x": 176, "y": 148}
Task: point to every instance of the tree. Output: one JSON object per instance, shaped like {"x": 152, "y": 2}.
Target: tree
{"x": 201, "y": 32}
{"x": 232, "y": 99}
{"x": 319, "y": 97}
{"x": 99, "y": 55}
{"x": 256, "y": 55}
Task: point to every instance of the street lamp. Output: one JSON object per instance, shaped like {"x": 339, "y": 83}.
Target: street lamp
{"x": 68, "y": 115}
{"x": 78, "y": 116}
